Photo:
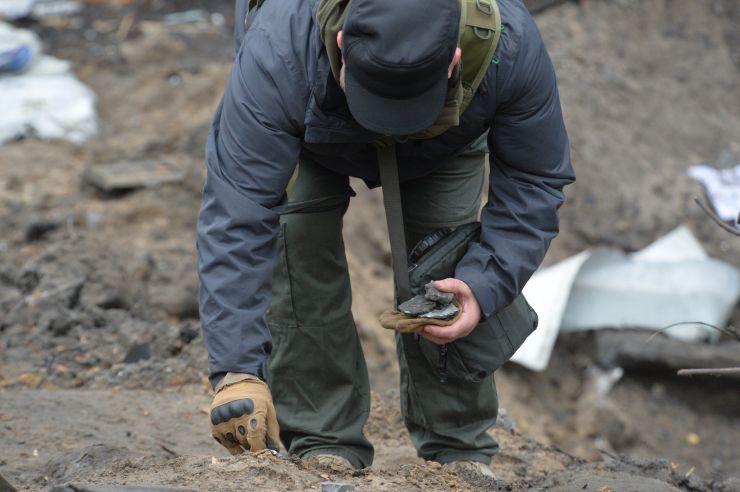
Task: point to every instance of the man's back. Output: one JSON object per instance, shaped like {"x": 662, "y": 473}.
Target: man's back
{"x": 287, "y": 29}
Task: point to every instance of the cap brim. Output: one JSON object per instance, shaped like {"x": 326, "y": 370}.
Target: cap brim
{"x": 391, "y": 116}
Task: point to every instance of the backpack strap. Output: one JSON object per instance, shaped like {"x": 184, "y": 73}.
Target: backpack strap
{"x": 388, "y": 168}
{"x": 480, "y": 36}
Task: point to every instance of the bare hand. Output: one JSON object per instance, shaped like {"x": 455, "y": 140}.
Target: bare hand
{"x": 468, "y": 320}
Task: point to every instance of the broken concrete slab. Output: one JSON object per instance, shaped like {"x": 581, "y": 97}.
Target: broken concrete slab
{"x": 131, "y": 175}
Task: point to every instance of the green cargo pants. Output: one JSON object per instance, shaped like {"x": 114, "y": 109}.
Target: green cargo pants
{"x": 317, "y": 369}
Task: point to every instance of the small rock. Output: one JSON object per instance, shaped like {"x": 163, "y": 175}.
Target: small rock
{"x": 732, "y": 484}
{"x": 505, "y": 421}
{"x": 130, "y": 175}
{"x": 37, "y": 230}
{"x": 337, "y": 487}
{"x": 139, "y": 352}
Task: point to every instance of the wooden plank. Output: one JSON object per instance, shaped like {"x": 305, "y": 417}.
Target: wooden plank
{"x": 631, "y": 349}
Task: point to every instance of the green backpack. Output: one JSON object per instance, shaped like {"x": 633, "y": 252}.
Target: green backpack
{"x": 480, "y": 28}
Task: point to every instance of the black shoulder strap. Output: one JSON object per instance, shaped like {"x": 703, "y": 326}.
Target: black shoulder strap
{"x": 394, "y": 217}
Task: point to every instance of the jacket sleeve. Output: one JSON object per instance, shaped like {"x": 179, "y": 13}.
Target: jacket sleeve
{"x": 251, "y": 152}
{"x": 529, "y": 166}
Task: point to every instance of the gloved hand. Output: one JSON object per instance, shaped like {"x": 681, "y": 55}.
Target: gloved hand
{"x": 395, "y": 320}
{"x": 243, "y": 417}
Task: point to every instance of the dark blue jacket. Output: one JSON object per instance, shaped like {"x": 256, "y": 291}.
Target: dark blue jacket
{"x": 282, "y": 103}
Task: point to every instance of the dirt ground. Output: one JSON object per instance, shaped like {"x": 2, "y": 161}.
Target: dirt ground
{"x": 102, "y": 365}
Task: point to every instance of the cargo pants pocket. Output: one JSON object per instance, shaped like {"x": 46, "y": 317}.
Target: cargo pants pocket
{"x": 282, "y": 308}
{"x": 489, "y": 346}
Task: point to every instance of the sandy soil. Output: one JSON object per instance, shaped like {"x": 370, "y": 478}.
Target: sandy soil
{"x": 102, "y": 366}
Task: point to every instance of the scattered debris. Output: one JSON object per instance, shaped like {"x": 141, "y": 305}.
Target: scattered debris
{"x": 167, "y": 449}
{"x": 431, "y": 293}
{"x": 131, "y": 175}
{"x": 37, "y": 230}
{"x": 616, "y": 291}
{"x": 723, "y": 188}
{"x": 672, "y": 282}
{"x": 337, "y": 487}
{"x": 547, "y": 292}
{"x": 635, "y": 349}
{"x": 608, "y": 481}
{"x": 417, "y": 305}
{"x": 18, "y": 49}
{"x": 45, "y": 100}
{"x": 433, "y": 304}
{"x": 138, "y": 352}
{"x": 732, "y": 230}
{"x": 601, "y": 381}
{"x": 504, "y": 420}
{"x": 18, "y": 9}
{"x": 187, "y": 17}
{"x": 722, "y": 371}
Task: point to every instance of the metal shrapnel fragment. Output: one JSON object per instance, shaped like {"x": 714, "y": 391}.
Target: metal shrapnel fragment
{"x": 433, "y": 304}
{"x": 443, "y": 312}
{"x": 416, "y": 306}
{"x": 431, "y": 293}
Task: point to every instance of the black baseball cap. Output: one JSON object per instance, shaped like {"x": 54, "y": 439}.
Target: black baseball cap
{"x": 396, "y": 55}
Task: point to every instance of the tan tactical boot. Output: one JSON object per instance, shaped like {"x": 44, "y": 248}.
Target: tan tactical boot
{"x": 469, "y": 468}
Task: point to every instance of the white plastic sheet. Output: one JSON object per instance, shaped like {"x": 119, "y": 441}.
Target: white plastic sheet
{"x": 15, "y": 9}
{"x": 670, "y": 281}
{"x": 548, "y": 292}
{"x": 19, "y": 48}
{"x": 723, "y": 189}
{"x": 46, "y": 100}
